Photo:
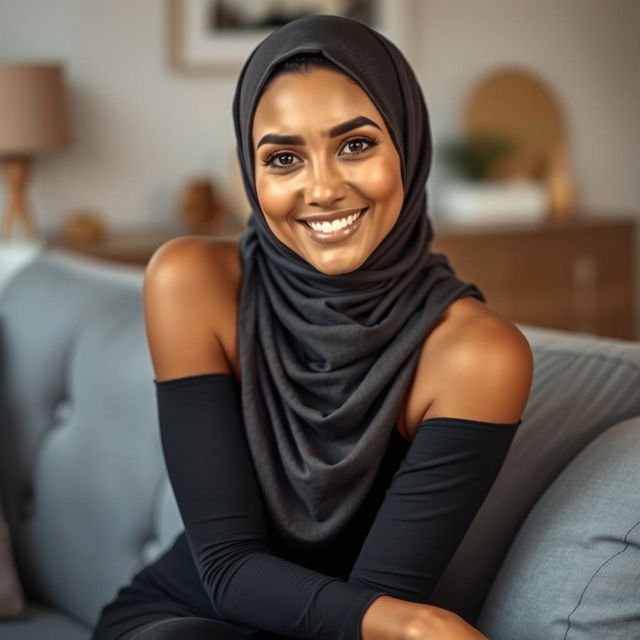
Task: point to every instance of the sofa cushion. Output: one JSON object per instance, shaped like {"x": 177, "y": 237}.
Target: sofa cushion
{"x": 582, "y": 386}
{"x": 573, "y": 570}
{"x": 42, "y": 622}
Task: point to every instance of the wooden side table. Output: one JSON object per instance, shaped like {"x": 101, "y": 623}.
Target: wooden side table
{"x": 577, "y": 275}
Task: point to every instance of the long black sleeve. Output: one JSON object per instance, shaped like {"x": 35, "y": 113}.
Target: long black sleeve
{"x": 216, "y": 488}
{"x": 445, "y": 476}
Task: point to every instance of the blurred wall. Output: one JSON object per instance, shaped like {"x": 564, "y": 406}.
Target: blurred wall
{"x": 142, "y": 128}
{"x": 587, "y": 51}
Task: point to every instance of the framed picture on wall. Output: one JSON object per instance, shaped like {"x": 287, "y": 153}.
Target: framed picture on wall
{"x": 214, "y": 36}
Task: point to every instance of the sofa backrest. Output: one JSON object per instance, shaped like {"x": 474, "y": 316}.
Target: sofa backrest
{"x": 81, "y": 468}
{"x": 583, "y": 385}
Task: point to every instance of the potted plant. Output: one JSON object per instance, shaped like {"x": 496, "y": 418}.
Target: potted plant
{"x": 475, "y": 191}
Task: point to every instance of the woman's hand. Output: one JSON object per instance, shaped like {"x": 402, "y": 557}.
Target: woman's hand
{"x": 434, "y": 623}
{"x": 389, "y": 618}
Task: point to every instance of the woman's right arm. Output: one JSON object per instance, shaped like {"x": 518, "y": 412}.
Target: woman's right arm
{"x": 212, "y": 475}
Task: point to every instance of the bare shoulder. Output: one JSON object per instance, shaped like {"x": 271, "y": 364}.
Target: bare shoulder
{"x": 188, "y": 294}
{"x": 482, "y": 364}
{"x": 198, "y": 258}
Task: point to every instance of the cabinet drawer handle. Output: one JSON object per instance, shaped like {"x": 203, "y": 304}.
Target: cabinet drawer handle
{"x": 585, "y": 271}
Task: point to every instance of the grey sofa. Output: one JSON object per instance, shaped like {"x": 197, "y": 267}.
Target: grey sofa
{"x": 553, "y": 553}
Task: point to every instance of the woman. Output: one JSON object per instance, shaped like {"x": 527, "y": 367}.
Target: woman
{"x": 334, "y": 403}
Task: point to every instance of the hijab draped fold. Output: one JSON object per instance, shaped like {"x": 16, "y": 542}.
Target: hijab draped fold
{"x": 326, "y": 360}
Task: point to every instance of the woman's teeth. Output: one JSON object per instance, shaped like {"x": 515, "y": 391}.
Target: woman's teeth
{"x": 328, "y": 227}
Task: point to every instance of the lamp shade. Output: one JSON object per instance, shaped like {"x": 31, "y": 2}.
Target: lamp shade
{"x": 34, "y": 116}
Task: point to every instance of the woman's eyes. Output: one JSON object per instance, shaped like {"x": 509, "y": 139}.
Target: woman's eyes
{"x": 279, "y": 155}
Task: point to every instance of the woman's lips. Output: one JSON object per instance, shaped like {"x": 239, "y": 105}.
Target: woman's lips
{"x": 335, "y": 236}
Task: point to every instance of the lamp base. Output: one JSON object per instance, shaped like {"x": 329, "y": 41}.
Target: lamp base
{"x": 16, "y": 211}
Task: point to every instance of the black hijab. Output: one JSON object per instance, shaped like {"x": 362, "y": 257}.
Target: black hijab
{"x": 326, "y": 360}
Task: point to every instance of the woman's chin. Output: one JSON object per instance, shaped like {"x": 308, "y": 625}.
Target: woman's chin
{"x": 337, "y": 264}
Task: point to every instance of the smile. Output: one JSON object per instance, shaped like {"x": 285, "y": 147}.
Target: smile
{"x": 336, "y": 230}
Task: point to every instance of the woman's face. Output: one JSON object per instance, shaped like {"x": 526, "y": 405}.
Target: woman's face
{"x": 323, "y": 155}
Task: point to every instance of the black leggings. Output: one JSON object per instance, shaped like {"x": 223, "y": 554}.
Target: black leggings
{"x": 164, "y": 600}
{"x": 191, "y": 628}
{"x": 194, "y": 628}
{"x": 182, "y": 628}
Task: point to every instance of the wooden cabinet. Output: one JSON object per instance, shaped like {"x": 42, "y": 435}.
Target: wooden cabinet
{"x": 136, "y": 246}
{"x": 133, "y": 247}
{"x": 577, "y": 275}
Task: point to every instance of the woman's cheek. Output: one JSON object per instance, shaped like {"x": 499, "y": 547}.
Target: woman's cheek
{"x": 379, "y": 180}
{"x": 274, "y": 198}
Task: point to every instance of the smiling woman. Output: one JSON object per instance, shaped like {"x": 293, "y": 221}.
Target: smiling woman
{"x": 325, "y": 483}
{"x": 329, "y": 181}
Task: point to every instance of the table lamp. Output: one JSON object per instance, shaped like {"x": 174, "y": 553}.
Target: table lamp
{"x": 33, "y": 121}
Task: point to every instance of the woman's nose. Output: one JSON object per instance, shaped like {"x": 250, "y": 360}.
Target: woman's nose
{"x": 326, "y": 185}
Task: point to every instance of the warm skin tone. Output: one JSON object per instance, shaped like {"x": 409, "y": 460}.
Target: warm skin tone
{"x": 473, "y": 364}
{"x": 322, "y": 174}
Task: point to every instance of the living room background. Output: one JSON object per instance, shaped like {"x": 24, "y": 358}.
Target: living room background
{"x": 142, "y": 129}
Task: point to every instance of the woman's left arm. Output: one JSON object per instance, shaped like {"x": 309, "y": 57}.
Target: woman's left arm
{"x": 450, "y": 466}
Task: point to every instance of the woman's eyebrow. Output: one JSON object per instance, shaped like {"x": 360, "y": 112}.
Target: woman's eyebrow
{"x": 339, "y": 129}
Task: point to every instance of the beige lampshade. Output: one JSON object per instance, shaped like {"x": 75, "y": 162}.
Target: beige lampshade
{"x": 34, "y": 116}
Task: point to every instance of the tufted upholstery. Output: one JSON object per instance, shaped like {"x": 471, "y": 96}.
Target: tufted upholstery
{"x": 83, "y": 481}
{"x": 81, "y": 469}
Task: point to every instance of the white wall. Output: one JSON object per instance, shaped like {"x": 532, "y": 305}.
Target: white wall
{"x": 588, "y": 51}
{"x": 142, "y": 128}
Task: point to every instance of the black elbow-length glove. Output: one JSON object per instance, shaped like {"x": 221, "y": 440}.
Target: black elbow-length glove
{"x": 445, "y": 476}
{"x": 210, "y": 469}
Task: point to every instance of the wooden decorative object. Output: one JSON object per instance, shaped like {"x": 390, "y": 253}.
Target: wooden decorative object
{"x": 560, "y": 187}
{"x": 83, "y": 226}
{"x": 515, "y": 103}
{"x": 200, "y": 208}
